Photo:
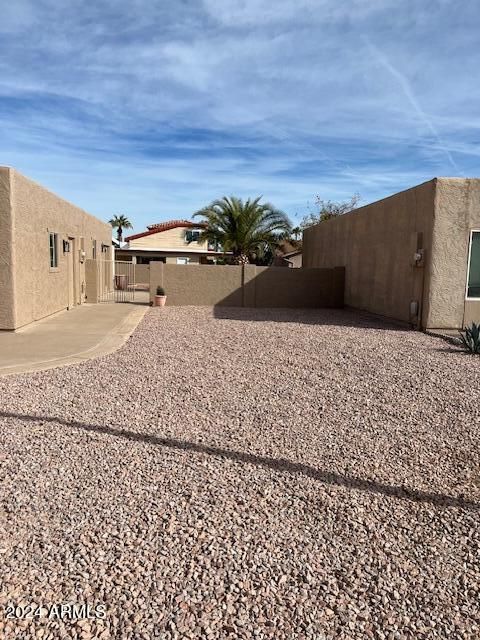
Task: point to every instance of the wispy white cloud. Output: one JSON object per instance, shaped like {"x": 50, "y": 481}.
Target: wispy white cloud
{"x": 408, "y": 92}
{"x": 159, "y": 106}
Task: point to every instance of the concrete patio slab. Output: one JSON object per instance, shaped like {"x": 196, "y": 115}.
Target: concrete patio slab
{"x": 68, "y": 337}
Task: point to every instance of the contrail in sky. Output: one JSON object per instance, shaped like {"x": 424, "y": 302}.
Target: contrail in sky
{"x": 407, "y": 90}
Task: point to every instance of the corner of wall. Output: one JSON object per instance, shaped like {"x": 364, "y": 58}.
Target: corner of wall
{"x": 453, "y": 218}
{"x": 427, "y": 277}
{"x": 7, "y": 280}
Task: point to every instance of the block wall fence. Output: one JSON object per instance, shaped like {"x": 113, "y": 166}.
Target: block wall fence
{"x": 249, "y": 286}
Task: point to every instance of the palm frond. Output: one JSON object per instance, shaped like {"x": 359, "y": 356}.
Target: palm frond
{"x": 245, "y": 228}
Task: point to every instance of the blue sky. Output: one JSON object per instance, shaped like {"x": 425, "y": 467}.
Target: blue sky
{"x": 153, "y": 109}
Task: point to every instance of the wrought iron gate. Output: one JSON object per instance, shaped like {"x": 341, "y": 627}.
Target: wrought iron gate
{"x": 116, "y": 281}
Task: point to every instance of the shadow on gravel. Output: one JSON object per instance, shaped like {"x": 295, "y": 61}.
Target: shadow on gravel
{"x": 345, "y": 317}
{"x": 280, "y": 464}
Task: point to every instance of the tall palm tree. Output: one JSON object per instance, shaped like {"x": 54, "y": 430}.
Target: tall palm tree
{"x": 120, "y": 223}
{"x": 296, "y": 231}
{"x": 246, "y": 229}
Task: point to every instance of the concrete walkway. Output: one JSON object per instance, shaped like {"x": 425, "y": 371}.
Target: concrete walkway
{"x": 68, "y": 337}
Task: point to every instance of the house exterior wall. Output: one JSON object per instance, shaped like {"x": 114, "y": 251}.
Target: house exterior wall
{"x": 170, "y": 239}
{"x": 128, "y": 256}
{"x": 376, "y": 245}
{"x": 232, "y": 286}
{"x": 295, "y": 261}
{"x": 169, "y": 244}
{"x": 38, "y": 289}
{"x": 457, "y": 212}
{"x": 7, "y": 318}
{"x": 192, "y": 258}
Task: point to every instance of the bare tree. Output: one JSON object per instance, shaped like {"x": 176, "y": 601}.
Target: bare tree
{"x": 326, "y": 209}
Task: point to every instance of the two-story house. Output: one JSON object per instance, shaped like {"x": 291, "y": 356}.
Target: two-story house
{"x": 174, "y": 241}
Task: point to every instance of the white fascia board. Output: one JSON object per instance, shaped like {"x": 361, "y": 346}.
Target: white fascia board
{"x": 178, "y": 250}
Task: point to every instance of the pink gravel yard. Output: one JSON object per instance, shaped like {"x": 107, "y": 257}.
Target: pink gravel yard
{"x": 278, "y": 474}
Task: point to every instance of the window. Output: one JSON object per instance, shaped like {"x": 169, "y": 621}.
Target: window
{"x": 182, "y": 260}
{"x": 94, "y": 249}
{"x": 191, "y": 236}
{"x": 473, "y": 283}
{"x": 53, "y": 250}
{"x": 213, "y": 245}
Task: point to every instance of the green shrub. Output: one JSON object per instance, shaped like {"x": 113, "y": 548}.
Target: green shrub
{"x": 470, "y": 338}
{"x": 160, "y": 291}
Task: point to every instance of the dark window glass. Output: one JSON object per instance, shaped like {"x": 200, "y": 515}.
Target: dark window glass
{"x": 473, "y": 288}
{"x": 53, "y": 250}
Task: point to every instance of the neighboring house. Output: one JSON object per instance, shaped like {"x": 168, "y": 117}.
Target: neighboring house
{"x": 294, "y": 258}
{"x": 175, "y": 241}
{"x": 414, "y": 256}
{"x": 288, "y": 254}
{"x": 44, "y": 244}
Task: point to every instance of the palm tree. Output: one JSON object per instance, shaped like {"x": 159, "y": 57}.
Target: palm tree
{"x": 120, "y": 223}
{"x": 296, "y": 231}
{"x": 247, "y": 229}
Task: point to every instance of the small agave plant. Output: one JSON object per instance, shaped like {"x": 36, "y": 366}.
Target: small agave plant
{"x": 470, "y": 338}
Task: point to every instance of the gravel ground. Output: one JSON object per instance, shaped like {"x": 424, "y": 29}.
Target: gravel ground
{"x": 258, "y": 474}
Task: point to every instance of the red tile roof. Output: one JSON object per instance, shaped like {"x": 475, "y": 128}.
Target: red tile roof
{"x": 165, "y": 226}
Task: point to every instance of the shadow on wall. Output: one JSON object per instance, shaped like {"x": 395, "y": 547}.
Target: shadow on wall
{"x": 249, "y": 286}
{"x": 281, "y": 287}
{"x": 280, "y": 465}
{"x": 279, "y": 294}
{"x": 275, "y": 294}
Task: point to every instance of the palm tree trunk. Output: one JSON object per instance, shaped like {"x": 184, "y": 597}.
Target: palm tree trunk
{"x": 241, "y": 259}
{"x": 119, "y": 235}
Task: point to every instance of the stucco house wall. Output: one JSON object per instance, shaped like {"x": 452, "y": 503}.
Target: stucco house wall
{"x": 32, "y": 213}
{"x": 7, "y": 320}
{"x": 376, "y": 245}
{"x": 457, "y": 213}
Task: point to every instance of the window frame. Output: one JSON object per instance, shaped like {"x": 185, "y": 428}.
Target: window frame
{"x": 184, "y": 260}
{"x": 53, "y": 250}
{"x": 470, "y": 240}
{"x": 190, "y": 233}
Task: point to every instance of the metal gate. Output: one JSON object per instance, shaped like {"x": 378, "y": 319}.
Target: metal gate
{"x": 116, "y": 281}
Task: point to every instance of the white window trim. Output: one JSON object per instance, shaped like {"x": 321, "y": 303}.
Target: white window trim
{"x": 192, "y": 231}
{"x": 472, "y": 231}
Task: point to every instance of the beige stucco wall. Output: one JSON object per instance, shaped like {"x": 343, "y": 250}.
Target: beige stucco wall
{"x": 457, "y": 212}
{"x": 40, "y": 291}
{"x": 7, "y": 319}
{"x": 171, "y": 239}
{"x": 262, "y": 286}
{"x": 142, "y": 273}
{"x": 376, "y": 245}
